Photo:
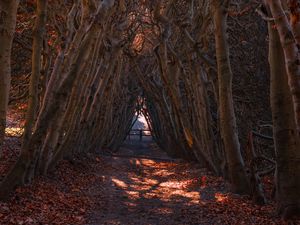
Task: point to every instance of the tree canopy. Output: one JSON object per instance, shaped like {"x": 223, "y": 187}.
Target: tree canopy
{"x": 206, "y": 74}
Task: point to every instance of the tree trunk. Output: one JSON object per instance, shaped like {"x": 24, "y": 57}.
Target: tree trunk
{"x": 37, "y": 47}
{"x": 294, "y": 6}
{"x": 16, "y": 176}
{"x": 285, "y": 132}
{"x": 236, "y": 169}
{"x": 291, "y": 53}
{"x": 8, "y": 13}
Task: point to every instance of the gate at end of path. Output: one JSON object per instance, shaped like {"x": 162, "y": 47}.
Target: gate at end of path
{"x": 139, "y": 134}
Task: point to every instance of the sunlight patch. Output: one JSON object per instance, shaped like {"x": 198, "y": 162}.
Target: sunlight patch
{"x": 148, "y": 162}
{"x": 194, "y": 196}
{"x": 163, "y": 172}
{"x": 221, "y": 197}
{"x": 119, "y": 183}
{"x": 14, "y": 131}
{"x": 171, "y": 184}
{"x": 133, "y": 194}
{"x": 141, "y": 187}
{"x": 148, "y": 181}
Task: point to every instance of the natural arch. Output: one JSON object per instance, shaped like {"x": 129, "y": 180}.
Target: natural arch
{"x": 95, "y": 63}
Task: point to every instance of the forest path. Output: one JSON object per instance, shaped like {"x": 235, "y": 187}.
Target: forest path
{"x": 138, "y": 185}
{"x": 141, "y": 185}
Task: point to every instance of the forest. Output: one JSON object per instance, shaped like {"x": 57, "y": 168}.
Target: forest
{"x": 217, "y": 83}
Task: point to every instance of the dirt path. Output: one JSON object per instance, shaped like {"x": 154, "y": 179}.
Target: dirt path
{"x": 152, "y": 191}
{"x": 138, "y": 185}
{"x": 147, "y": 188}
{"x": 141, "y": 185}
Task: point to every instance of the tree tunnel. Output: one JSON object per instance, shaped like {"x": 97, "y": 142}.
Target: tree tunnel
{"x": 112, "y": 55}
{"x": 110, "y": 61}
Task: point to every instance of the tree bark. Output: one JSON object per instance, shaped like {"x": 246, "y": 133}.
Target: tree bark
{"x": 22, "y": 167}
{"x": 291, "y": 53}
{"x": 8, "y": 13}
{"x": 294, "y": 6}
{"x": 37, "y": 47}
{"x": 284, "y": 131}
{"x": 236, "y": 169}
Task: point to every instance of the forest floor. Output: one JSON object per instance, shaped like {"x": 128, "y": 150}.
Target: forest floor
{"x": 137, "y": 185}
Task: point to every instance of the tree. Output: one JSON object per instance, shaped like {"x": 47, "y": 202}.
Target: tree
{"x": 8, "y": 13}
{"x": 228, "y": 127}
{"x": 37, "y": 46}
{"x": 62, "y": 87}
{"x": 291, "y": 53}
{"x": 286, "y": 138}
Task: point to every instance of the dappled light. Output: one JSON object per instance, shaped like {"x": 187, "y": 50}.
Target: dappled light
{"x": 119, "y": 183}
{"x": 14, "y": 131}
{"x": 149, "y": 112}
{"x": 168, "y": 192}
{"x": 221, "y": 197}
{"x": 144, "y": 186}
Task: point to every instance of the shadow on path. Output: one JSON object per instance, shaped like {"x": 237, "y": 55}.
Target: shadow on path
{"x": 142, "y": 185}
